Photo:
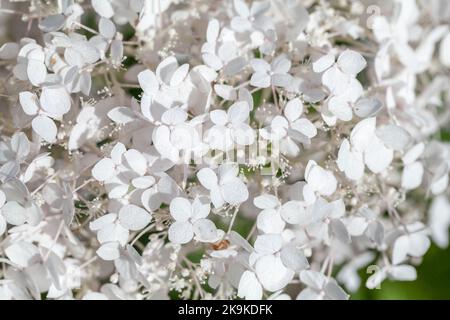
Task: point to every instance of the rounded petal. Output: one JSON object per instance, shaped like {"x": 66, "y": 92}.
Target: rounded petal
{"x": 234, "y": 191}
{"x": 45, "y": 128}
{"x": 29, "y": 103}
{"x": 55, "y": 100}
{"x": 351, "y": 62}
{"x": 249, "y": 287}
{"x": 205, "y": 231}
{"x": 180, "y": 209}
{"x": 272, "y": 274}
{"x": 103, "y": 170}
{"x": 269, "y": 221}
{"x": 181, "y": 232}
{"x": 133, "y": 217}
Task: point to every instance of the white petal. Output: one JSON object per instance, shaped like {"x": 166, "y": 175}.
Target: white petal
{"x": 293, "y": 212}
{"x": 29, "y": 103}
{"x": 367, "y": 107}
{"x": 107, "y": 28}
{"x": 103, "y": 170}
{"x": 414, "y": 153}
{"x": 418, "y": 244}
{"x": 212, "y": 32}
{"x": 313, "y": 279}
{"x": 180, "y": 232}
{"x": 136, "y": 161}
{"x": 234, "y": 191}
{"x": 403, "y": 273}
{"x": 268, "y": 243}
{"x": 412, "y": 175}
{"x": 174, "y": 116}
{"x": 293, "y": 258}
{"x": 375, "y": 280}
{"x": 305, "y": 127}
{"x": 323, "y": 63}
{"x": 400, "y": 250}
{"x": 207, "y": 178}
{"x": 205, "y": 231}
{"x": 260, "y": 80}
{"x": 122, "y": 115}
{"x": 143, "y": 182}
{"x": 14, "y": 213}
{"x": 55, "y": 100}
{"x": 113, "y": 232}
{"x": 36, "y": 71}
{"x": 180, "y": 209}
{"x": 377, "y": 157}
{"x": 234, "y": 66}
{"x": 249, "y": 287}
{"x": 109, "y": 251}
{"x": 260, "y": 65}
{"x": 200, "y": 209}
{"x": 225, "y": 91}
{"x": 148, "y": 82}
{"x": 21, "y": 253}
{"x": 394, "y": 137}
{"x": 269, "y": 221}
{"x": 281, "y": 64}
{"x": 238, "y": 112}
{"x": 340, "y": 108}
{"x": 351, "y": 62}
{"x": 45, "y": 128}
{"x": 103, "y": 221}
{"x": 362, "y": 134}
{"x": 350, "y": 162}
{"x": 216, "y": 197}
{"x": 179, "y": 75}
{"x": 272, "y": 274}
{"x": 103, "y": 8}
{"x": 266, "y": 201}
{"x": 293, "y": 109}
{"x": 133, "y": 217}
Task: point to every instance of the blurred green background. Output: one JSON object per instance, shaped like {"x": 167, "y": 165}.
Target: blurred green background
{"x": 433, "y": 281}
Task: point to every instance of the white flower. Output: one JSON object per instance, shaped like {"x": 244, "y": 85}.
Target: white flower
{"x": 31, "y": 64}
{"x": 123, "y": 169}
{"x": 177, "y": 139}
{"x": 290, "y": 128}
{"x": 190, "y": 221}
{"x": 53, "y": 104}
{"x": 274, "y": 74}
{"x": 413, "y": 171}
{"x": 274, "y": 262}
{"x": 414, "y": 244}
{"x": 113, "y": 229}
{"x": 340, "y": 76}
{"x": 230, "y": 127}
{"x": 366, "y": 222}
{"x": 319, "y": 287}
{"x": 400, "y": 272}
{"x": 364, "y": 148}
{"x": 319, "y": 182}
{"x": 249, "y": 287}
{"x": 220, "y": 50}
{"x": 250, "y": 18}
{"x": 225, "y": 187}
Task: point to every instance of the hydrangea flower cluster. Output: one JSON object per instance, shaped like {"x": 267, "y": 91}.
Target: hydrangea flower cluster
{"x": 265, "y": 149}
